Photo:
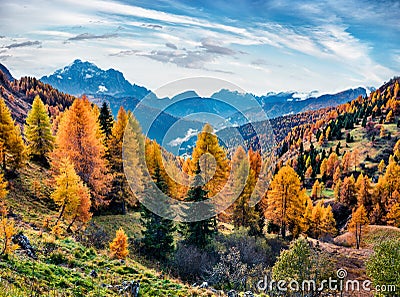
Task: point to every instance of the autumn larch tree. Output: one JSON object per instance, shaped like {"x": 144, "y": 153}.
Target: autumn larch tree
{"x": 7, "y": 231}
{"x": 355, "y": 156}
{"x": 364, "y": 196}
{"x": 316, "y": 191}
{"x": 381, "y": 167}
{"x": 357, "y": 223}
{"x": 3, "y": 194}
{"x": 71, "y": 195}
{"x": 337, "y": 175}
{"x": 286, "y": 201}
{"x": 393, "y": 216}
{"x": 121, "y": 192}
{"x": 328, "y": 222}
{"x": 79, "y": 139}
{"x": 206, "y": 149}
{"x": 348, "y": 191}
{"x": 119, "y": 245}
{"x": 37, "y": 130}
{"x": 12, "y": 147}
{"x": 331, "y": 164}
{"x": 244, "y": 215}
{"x": 346, "y": 162}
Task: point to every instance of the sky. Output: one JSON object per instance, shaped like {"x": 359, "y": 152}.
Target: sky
{"x": 260, "y": 46}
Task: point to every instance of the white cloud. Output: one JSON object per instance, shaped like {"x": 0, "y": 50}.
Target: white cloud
{"x": 137, "y": 37}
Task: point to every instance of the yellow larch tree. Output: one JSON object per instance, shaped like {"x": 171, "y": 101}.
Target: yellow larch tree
{"x": 212, "y": 159}
{"x": 7, "y": 230}
{"x": 381, "y": 167}
{"x": 12, "y": 147}
{"x": 357, "y": 224}
{"x": 364, "y": 188}
{"x": 286, "y": 201}
{"x": 393, "y": 216}
{"x": 38, "y": 131}
{"x": 71, "y": 195}
{"x": 3, "y": 194}
{"x": 119, "y": 245}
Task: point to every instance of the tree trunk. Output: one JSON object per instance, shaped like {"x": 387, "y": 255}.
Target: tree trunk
{"x": 123, "y": 207}
{"x": 283, "y": 230}
{"x": 61, "y": 213}
{"x": 70, "y": 225}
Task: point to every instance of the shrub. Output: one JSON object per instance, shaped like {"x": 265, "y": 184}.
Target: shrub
{"x": 94, "y": 236}
{"x": 57, "y": 258}
{"x": 191, "y": 263}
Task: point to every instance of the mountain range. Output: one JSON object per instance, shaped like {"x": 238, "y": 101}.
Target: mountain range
{"x": 186, "y": 112}
{"x": 81, "y": 77}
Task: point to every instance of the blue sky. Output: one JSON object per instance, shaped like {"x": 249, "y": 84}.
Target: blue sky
{"x": 261, "y": 46}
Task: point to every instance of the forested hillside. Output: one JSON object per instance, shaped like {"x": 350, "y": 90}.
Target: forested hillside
{"x": 72, "y": 224}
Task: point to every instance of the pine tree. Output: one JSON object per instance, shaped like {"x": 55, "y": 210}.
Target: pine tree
{"x": 79, "y": 139}
{"x": 106, "y": 120}
{"x": 357, "y": 223}
{"x": 119, "y": 245}
{"x": 158, "y": 236}
{"x": 198, "y": 233}
{"x": 286, "y": 201}
{"x": 38, "y": 131}
{"x": 71, "y": 195}
{"x": 12, "y": 148}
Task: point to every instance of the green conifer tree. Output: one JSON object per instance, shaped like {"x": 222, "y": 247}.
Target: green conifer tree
{"x": 158, "y": 236}
{"x": 106, "y": 120}
{"x": 199, "y": 233}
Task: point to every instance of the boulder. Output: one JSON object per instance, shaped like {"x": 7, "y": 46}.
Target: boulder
{"x": 24, "y": 244}
{"x": 232, "y": 293}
